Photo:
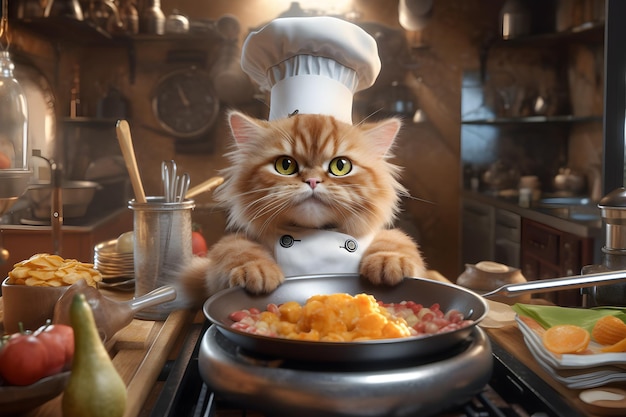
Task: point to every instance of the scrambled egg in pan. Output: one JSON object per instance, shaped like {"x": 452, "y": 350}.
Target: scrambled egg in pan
{"x": 332, "y": 318}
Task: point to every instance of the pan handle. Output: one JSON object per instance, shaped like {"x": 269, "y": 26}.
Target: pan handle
{"x": 564, "y": 283}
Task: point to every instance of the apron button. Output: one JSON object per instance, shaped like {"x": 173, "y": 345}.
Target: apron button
{"x": 286, "y": 241}
{"x": 351, "y": 245}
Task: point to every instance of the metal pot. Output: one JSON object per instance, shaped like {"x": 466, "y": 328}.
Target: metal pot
{"x": 570, "y": 181}
{"x": 613, "y": 208}
{"x": 76, "y": 197}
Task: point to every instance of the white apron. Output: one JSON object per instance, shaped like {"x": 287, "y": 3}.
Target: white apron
{"x": 301, "y": 251}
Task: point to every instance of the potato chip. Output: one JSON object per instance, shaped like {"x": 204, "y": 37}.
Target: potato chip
{"x": 20, "y": 272}
{"x": 34, "y": 282}
{"x": 42, "y": 275}
{"x": 43, "y": 269}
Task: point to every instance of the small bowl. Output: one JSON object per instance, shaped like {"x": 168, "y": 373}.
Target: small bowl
{"x": 16, "y": 400}
{"x": 486, "y": 276}
{"x": 31, "y": 306}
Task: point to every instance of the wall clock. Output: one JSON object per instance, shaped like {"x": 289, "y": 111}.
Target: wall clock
{"x": 185, "y": 103}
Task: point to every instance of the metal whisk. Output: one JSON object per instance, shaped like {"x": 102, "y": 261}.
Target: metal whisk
{"x": 174, "y": 186}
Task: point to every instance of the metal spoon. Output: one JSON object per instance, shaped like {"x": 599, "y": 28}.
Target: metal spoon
{"x": 184, "y": 186}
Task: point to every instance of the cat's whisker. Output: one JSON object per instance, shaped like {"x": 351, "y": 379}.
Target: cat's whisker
{"x": 274, "y": 214}
{"x": 366, "y": 118}
{"x": 423, "y": 200}
{"x": 275, "y": 206}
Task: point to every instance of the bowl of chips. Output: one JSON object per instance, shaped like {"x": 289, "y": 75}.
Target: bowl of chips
{"x": 34, "y": 285}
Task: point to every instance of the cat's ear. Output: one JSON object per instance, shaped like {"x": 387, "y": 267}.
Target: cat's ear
{"x": 382, "y": 134}
{"x": 244, "y": 128}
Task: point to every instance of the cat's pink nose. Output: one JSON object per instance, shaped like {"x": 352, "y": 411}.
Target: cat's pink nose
{"x": 313, "y": 182}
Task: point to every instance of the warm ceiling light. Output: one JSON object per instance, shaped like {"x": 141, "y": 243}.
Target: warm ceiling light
{"x": 335, "y": 6}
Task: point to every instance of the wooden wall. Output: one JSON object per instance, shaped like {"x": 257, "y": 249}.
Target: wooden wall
{"x": 435, "y": 59}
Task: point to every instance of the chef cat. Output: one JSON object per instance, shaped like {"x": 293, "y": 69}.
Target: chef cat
{"x": 308, "y": 191}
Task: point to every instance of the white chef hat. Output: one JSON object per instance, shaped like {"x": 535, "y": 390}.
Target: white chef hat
{"x": 311, "y": 65}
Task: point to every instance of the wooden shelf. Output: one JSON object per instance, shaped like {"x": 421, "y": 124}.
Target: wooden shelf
{"x": 533, "y": 120}
{"x": 588, "y": 32}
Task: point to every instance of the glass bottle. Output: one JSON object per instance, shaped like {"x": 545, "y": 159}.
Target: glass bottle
{"x": 152, "y": 18}
{"x": 14, "y": 169}
{"x": 13, "y": 118}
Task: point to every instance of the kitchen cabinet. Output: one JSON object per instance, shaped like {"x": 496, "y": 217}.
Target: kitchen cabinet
{"x": 507, "y": 233}
{"x": 490, "y": 234}
{"x": 478, "y": 232}
{"x": 550, "y": 253}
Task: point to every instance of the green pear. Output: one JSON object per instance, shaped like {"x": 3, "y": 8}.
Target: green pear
{"x": 95, "y": 388}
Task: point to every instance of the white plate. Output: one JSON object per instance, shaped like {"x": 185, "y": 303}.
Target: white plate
{"x": 599, "y": 369}
{"x": 569, "y": 361}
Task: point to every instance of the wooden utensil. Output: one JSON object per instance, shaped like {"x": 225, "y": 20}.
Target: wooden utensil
{"x": 205, "y": 186}
{"x": 126, "y": 144}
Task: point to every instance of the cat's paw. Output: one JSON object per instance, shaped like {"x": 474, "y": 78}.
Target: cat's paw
{"x": 257, "y": 276}
{"x": 390, "y": 267}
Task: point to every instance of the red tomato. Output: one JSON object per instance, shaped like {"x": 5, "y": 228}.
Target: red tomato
{"x": 23, "y": 360}
{"x": 59, "y": 342}
{"x": 66, "y": 333}
{"x": 198, "y": 244}
{"x": 5, "y": 161}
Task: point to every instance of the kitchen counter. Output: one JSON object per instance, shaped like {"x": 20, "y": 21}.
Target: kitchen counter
{"x": 139, "y": 353}
{"x": 511, "y": 340}
{"x": 582, "y": 228}
{"x": 141, "y": 350}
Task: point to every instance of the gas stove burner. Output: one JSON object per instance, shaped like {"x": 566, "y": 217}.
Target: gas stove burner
{"x": 419, "y": 386}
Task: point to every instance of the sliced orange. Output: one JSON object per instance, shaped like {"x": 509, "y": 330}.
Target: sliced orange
{"x": 608, "y": 330}
{"x": 619, "y": 346}
{"x": 566, "y": 338}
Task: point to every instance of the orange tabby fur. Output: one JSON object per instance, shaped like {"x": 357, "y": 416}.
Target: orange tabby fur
{"x": 259, "y": 201}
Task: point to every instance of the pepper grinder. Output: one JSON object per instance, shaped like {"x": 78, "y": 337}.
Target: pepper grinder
{"x": 613, "y": 208}
{"x": 151, "y": 18}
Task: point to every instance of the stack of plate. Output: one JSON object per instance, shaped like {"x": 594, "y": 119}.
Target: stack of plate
{"x": 112, "y": 264}
{"x": 589, "y": 370}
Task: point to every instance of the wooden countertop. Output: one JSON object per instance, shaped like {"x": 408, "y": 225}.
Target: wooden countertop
{"x": 581, "y": 228}
{"x": 139, "y": 352}
{"x": 511, "y": 339}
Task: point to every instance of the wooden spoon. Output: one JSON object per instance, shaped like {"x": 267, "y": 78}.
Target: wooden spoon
{"x": 126, "y": 144}
{"x": 604, "y": 400}
{"x": 207, "y": 185}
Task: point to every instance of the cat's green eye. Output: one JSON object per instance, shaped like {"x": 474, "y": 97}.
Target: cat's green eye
{"x": 286, "y": 165}
{"x": 340, "y": 166}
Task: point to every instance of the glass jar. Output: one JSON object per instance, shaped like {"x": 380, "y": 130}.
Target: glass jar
{"x": 13, "y": 118}
{"x": 14, "y": 169}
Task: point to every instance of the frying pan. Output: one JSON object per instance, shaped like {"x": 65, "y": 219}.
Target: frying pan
{"x": 426, "y": 292}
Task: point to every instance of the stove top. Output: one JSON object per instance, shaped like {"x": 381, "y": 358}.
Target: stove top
{"x": 512, "y": 390}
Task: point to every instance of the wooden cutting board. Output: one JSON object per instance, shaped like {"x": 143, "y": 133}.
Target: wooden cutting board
{"x": 139, "y": 352}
